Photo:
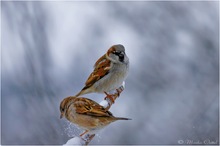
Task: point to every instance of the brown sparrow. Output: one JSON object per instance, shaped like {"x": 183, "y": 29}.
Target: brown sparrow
{"x": 109, "y": 72}
{"x": 86, "y": 113}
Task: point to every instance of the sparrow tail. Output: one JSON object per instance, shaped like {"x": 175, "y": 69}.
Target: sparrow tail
{"x": 77, "y": 94}
{"x": 80, "y": 93}
{"x": 121, "y": 118}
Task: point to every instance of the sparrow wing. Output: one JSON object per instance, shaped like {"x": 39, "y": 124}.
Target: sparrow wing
{"x": 101, "y": 69}
{"x": 90, "y": 107}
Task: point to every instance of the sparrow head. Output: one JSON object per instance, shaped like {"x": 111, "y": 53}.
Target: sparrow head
{"x": 64, "y": 105}
{"x": 117, "y": 54}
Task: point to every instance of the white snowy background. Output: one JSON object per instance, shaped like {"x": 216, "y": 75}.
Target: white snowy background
{"x": 48, "y": 50}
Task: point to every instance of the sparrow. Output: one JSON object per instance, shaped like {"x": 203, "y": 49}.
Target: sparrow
{"x": 86, "y": 113}
{"x": 109, "y": 72}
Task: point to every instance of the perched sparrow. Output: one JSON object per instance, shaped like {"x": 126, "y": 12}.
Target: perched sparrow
{"x": 86, "y": 113}
{"x": 109, "y": 72}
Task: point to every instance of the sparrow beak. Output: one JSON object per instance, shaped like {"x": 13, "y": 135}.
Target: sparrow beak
{"x": 61, "y": 115}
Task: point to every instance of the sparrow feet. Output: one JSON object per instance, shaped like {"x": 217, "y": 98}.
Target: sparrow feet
{"x": 119, "y": 90}
{"x": 83, "y": 133}
{"x": 110, "y": 97}
{"x": 87, "y": 138}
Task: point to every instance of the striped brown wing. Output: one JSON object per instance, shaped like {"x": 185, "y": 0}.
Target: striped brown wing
{"x": 90, "y": 107}
{"x": 101, "y": 68}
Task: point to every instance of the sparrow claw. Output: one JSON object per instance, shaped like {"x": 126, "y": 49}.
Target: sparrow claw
{"x": 118, "y": 92}
{"x": 110, "y": 97}
{"x": 83, "y": 133}
{"x": 89, "y": 138}
{"x": 120, "y": 89}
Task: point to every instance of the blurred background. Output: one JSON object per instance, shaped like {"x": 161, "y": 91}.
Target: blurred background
{"x": 172, "y": 91}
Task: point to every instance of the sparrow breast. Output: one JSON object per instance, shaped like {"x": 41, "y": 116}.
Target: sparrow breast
{"x": 115, "y": 78}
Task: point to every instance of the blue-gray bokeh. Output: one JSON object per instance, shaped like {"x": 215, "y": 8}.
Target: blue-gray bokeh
{"x": 49, "y": 48}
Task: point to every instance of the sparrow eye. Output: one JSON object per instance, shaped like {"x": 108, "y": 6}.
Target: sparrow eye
{"x": 120, "y": 55}
{"x": 61, "y": 109}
